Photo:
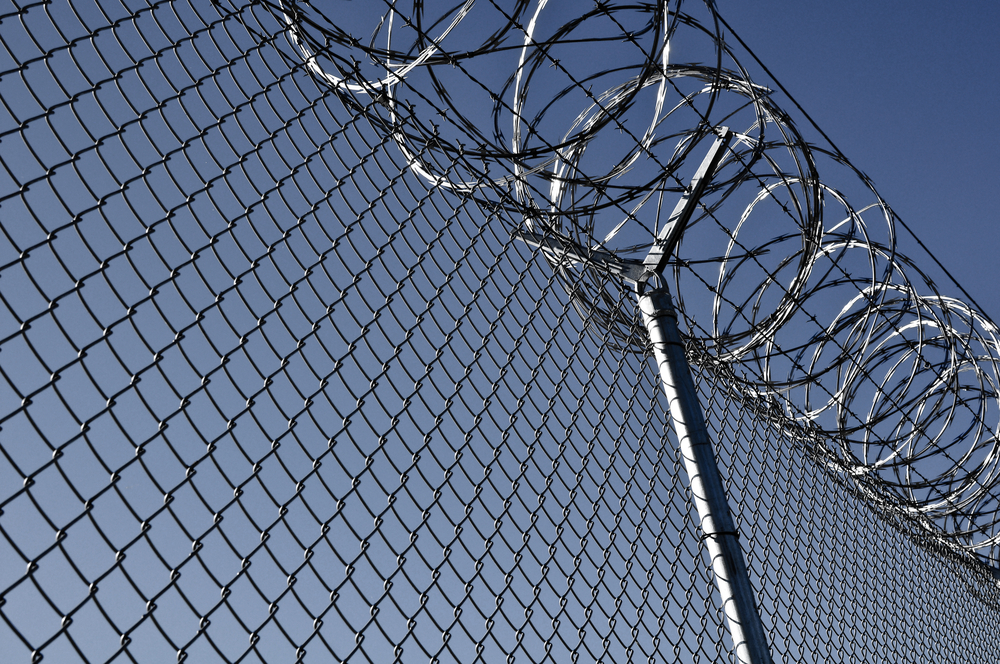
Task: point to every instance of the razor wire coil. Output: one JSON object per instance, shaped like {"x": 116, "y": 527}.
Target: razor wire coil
{"x": 895, "y": 338}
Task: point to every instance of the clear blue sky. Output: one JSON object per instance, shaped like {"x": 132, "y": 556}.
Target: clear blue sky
{"x": 910, "y": 91}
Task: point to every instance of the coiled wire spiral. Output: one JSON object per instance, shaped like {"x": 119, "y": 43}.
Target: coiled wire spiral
{"x": 587, "y": 125}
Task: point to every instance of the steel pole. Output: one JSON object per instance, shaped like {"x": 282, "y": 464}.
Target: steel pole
{"x": 721, "y": 537}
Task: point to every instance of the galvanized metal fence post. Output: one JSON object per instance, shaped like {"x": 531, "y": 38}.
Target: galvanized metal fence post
{"x": 721, "y": 537}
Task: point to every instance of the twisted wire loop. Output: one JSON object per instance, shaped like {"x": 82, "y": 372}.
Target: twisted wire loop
{"x": 280, "y": 382}
{"x": 805, "y": 281}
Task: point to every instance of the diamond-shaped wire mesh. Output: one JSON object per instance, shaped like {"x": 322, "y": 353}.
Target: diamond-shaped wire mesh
{"x": 268, "y": 396}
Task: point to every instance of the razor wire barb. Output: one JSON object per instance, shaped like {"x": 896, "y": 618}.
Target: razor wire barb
{"x": 280, "y": 382}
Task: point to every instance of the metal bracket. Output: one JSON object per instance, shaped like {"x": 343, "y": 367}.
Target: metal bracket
{"x": 670, "y": 234}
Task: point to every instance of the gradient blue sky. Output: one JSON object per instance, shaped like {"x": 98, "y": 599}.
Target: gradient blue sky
{"x": 910, "y": 92}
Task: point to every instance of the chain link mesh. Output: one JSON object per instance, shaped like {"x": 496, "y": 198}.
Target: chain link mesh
{"x": 267, "y": 396}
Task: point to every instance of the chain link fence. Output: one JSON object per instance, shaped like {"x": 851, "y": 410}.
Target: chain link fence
{"x": 267, "y": 395}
